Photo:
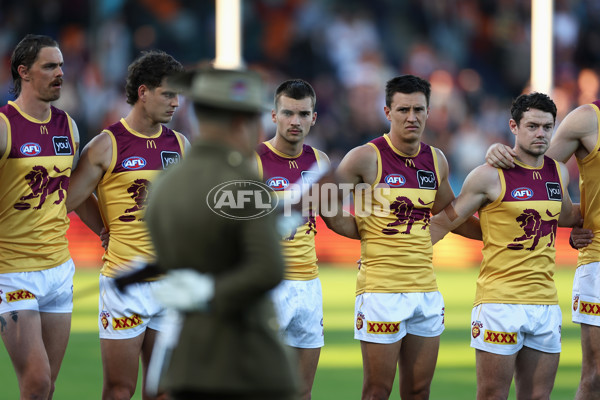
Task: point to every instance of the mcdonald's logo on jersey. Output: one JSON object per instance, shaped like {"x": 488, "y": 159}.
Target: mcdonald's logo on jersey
{"x": 537, "y": 176}
{"x": 522, "y": 193}
{"x": 293, "y": 164}
{"x": 409, "y": 163}
{"x": 278, "y": 183}
{"x": 150, "y": 144}
{"x": 43, "y": 130}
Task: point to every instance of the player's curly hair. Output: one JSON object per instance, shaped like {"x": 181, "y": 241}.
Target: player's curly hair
{"x": 406, "y": 84}
{"x": 149, "y": 69}
{"x": 527, "y": 101}
{"x": 25, "y": 54}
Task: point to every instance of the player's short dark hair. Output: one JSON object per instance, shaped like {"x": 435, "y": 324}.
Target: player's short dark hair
{"x": 149, "y": 69}
{"x": 25, "y": 54}
{"x": 296, "y": 89}
{"x": 406, "y": 84}
{"x": 526, "y": 102}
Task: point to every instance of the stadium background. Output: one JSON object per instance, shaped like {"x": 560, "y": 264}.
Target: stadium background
{"x": 476, "y": 53}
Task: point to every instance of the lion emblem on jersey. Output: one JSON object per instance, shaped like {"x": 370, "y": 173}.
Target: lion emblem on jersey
{"x": 406, "y": 214}
{"x": 535, "y": 228}
{"x": 310, "y": 220}
{"x": 139, "y": 193}
{"x": 42, "y": 185}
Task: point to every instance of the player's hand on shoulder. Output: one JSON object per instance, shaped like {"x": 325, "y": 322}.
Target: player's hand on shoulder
{"x": 500, "y": 156}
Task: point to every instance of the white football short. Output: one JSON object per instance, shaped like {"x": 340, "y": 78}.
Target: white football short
{"x": 586, "y": 295}
{"x": 505, "y": 328}
{"x": 388, "y": 317}
{"x": 127, "y": 315}
{"x": 299, "y": 308}
{"x": 49, "y": 290}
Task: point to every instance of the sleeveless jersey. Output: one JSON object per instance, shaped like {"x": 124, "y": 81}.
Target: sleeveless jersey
{"x": 589, "y": 188}
{"x": 34, "y": 178}
{"x": 279, "y": 171}
{"x": 123, "y": 190}
{"x": 519, "y": 230}
{"x": 392, "y": 216}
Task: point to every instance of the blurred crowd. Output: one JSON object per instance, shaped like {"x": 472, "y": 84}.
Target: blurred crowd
{"x": 476, "y": 53}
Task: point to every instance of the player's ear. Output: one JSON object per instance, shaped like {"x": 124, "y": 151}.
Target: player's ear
{"x": 23, "y": 72}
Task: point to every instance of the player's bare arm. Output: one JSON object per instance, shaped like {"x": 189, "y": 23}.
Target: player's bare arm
{"x": 570, "y": 214}
{"x": 481, "y": 187}
{"x": 93, "y": 163}
{"x": 470, "y": 228}
{"x": 342, "y": 222}
{"x": 577, "y": 134}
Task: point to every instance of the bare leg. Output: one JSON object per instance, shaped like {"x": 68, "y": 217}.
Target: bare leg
{"x": 56, "y": 328}
{"x": 120, "y": 364}
{"x": 308, "y": 360}
{"x": 379, "y": 369}
{"x": 494, "y": 374}
{"x": 535, "y": 374}
{"x": 589, "y": 386}
{"x": 418, "y": 357}
{"x": 22, "y": 337}
{"x": 147, "y": 346}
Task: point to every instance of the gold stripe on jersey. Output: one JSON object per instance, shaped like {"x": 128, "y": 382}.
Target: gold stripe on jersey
{"x": 589, "y": 188}
{"x": 510, "y": 271}
{"x": 396, "y": 252}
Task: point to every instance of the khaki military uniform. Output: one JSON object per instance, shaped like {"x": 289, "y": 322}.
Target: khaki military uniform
{"x": 232, "y": 350}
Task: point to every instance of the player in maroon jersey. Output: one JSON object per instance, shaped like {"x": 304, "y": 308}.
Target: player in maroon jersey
{"x": 120, "y": 164}
{"x": 38, "y": 145}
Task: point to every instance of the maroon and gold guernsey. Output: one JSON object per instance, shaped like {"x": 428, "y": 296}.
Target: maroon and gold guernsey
{"x": 34, "y": 178}
{"x": 519, "y": 230}
{"x": 123, "y": 190}
{"x": 392, "y": 216}
{"x": 589, "y": 187}
{"x": 279, "y": 171}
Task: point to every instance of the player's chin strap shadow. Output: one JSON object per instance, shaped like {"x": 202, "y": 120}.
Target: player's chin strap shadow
{"x": 148, "y": 271}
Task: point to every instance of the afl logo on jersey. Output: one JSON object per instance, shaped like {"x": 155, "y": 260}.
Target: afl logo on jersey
{"x": 522, "y": 193}
{"x": 31, "y": 149}
{"x": 395, "y": 180}
{"x": 134, "y": 162}
{"x": 278, "y": 183}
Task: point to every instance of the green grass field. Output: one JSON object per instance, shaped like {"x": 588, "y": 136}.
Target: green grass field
{"x": 340, "y": 369}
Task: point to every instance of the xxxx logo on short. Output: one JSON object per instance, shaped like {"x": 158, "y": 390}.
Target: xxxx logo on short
{"x": 588, "y": 308}
{"x": 383, "y": 328}
{"x": 126, "y": 322}
{"x": 500, "y": 337}
{"x": 18, "y": 295}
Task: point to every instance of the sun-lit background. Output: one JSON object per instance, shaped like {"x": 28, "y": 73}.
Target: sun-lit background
{"x": 476, "y": 53}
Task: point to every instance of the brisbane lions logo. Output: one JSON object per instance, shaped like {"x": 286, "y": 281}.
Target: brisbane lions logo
{"x": 42, "y": 185}
{"x": 535, "y": 228}
{"x": 139, "y": 193}
{"x": 406, "y": 214}
{"x": 310, "y": 220}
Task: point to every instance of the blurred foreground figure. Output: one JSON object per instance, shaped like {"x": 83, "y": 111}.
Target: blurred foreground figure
{"x": 210, "y": 222}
